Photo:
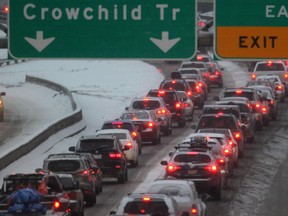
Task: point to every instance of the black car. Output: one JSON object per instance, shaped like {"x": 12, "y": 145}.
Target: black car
{"x": 109, "y": 154}
{"x": 205, "y": 171}
{"x": 125, "y": 124}
{"x": 228, "y": 121}
{"x": 173, "y": 102}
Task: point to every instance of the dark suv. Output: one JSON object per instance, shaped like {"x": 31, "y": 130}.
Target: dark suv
{"x": 109, "y": 154}
{"x": 79, "y": 167}
{"x": 205, "y": 171}
{"x": 228, "y": 121}
{"x": 173, "y": 103}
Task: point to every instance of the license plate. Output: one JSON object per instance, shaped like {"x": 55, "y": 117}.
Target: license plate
{"x": 97, "y": 156}
{"x": 191, "y": 172}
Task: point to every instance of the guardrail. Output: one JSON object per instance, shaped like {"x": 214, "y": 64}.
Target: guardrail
{"x": 50, "y": 130}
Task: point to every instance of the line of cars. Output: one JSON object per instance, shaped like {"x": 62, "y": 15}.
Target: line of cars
{"x": 228, "y": 125}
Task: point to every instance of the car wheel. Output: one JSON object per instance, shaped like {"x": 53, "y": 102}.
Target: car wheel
{"x": 90, "y": 200}
{"x": 134, "y": 163}
{"x": 166, "y": 131}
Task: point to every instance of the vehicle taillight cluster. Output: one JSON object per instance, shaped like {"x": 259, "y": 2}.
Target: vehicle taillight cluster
{"x": 285, "y": 75}
{"x": 227, "y": 152}
{"x": 237, "y": 135}
{"x": 189, "y": 93}
{"x": 6, "y": 9}
{"x": 194, "y": 210}
{"x": 279, "y": 87}
{"x": 218, "y": 73}
{"x": 129, "y": 145}
{"x": 115, "y": 155}
{"x": 178, "y": 105}
{"x": 212, "y": 168}
{"x": 56, "y": 205}
{"x": 150, "y": 124}
{"x": 161, "y": 111}
{"x": 264, "y": 110}
{"x": 253, "y": 76}
{"x": 172, "y": 168}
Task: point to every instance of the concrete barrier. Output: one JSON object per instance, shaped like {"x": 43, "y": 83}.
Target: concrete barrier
{"x": 50, "y": 130}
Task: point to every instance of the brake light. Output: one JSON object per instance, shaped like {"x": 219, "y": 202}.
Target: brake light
{"x": 194, "y": 209}
{"x": 218, "y": 73}
{"x": 146, "y": 99}
{"x": 231, "y": 143}
{"x": 200, "y": 24}
{"x": 115, "y": 155}
{"x": 146, "y": 199}
{"x": 269, "y": 63}
{"x": 285, "y": 75}
{"x": 189, "y": 93}
{"x": 173, "y": 81}
{"x": 6, "y": 9}
{"x": 227, "y": 152}
{"x": 264, "y": 109}
{"x": 172, "y": 168}
{"x": 212, "y": 168}
{"x": 199, "y": 84}
{"x": 257, "y": 105}
{"x": 161, "y": 92}
{"x": 177, "y": 105}
{"x": 238, "y": 91}
{"x": 253, "y": 76}
{"x": 199, "y": 57}
{"x": 186, "y": 104}
{"x": 162, "y": 111}
{"x": 206, "y": 75}
{"x": 237, "y": 135}
{"x": 56, "y": 205}
{"x": 150, "y": 124}
{"x": 134, "y": 134}
{"x": 221, "y": 161}
{"x": 129, "y": 145}
{"x": 279, "y": 87}
{"x": 192, "y": 153}
{"x": 85, "y": 172}
{"x": 271, "y": 102}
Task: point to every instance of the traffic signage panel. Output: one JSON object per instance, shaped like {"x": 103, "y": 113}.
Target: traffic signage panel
{"x": 251, "y": 29}
{"x": 115, "y": 29}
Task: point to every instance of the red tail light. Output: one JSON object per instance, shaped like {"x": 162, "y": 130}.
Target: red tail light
{"x": 189, "y": 93}
{"x": 253, "y": 76}
{"x": 200, "y": 84}
{"x": 161, "y": 111}
{"x": 206, "y": 75}
{"x": 217, "y": 73}
{"x": 186, "y": 104}
{"x": 85, "y": 172}
{"x": 279, "y": 87}
{"x": 150, "y": 124}
{"x": 56, "y": 205}
{"x": 199, "y": 57}
{"x": 115, "y": 155}
{"x": 231, "y": 143}
{"x": 271, "y": 102}
{"x": 146, "y": 199}
{"x": 6, "y": 9}
{"x": 172, "y": 168}
{"x": 227, "y": 152}
{"x": 264, "y": 109}
{"x": 238, "y": 91}
{"x": 212, "y": 168}
{"x": 200, "y": 24}
{"x": 286, "y": 76}
{"x": 257, "y": 105}
{"x": 173, "y": 81}
{"x": 129, "y": 145}
{"x": 177, "y": 105}
{"x": 237, "y": 136}
{"x": 134, "y": 134}
{"x": 221, "y": 161}
{"x": 161, "y": 92}
{"x": 194, "y": 210}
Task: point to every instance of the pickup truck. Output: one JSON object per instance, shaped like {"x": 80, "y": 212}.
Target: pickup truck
{"x": 33, "y": 194}
{"x": 272, "y": 68}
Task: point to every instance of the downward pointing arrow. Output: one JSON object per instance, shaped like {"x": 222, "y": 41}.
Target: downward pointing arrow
{"x": 39, "y": 43}
{"x": 165, "y": 44}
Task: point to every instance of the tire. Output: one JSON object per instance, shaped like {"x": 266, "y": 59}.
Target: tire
{"x": 166, "y": 131}
{"x": 181, "y": 123}
{"x": 123, "y": 178}
{"x": 90, "y": 200}
{"x": 134, "y": 163}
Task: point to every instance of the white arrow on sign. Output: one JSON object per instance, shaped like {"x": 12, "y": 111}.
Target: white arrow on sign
{"x": 39, "y": 43}
{"x": 165, "y": 44}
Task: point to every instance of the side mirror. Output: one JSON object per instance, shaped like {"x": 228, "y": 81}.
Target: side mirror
{"x": 216, "y": 98}
{"x": 170, "y": 154}
{"x": 126, "y": 108}
{"x": 165, "y": 163}
{"x": 72, "y": 149}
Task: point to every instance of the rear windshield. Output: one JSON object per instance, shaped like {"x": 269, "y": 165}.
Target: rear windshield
{"x": 96, "y": 144}
{"x": 224, "y": 111}
{"x": 193, "y": 65}
{"x": 147, "y": 105}
{"x": 135, "y": 116}
{"x": 118, "y": 125}
{"x": 118, "y": 135}
{"x": 64, "y": 166}
{"x": 191, "y": 158}
{"x": 189, "y": 71}
{"x": 248, "y": 95}
{"x": 147, "y": 208}
{"x": 217, "y": 122}
{"x": 169, "y": 98}
{"x": 270, "y": 67}
{"x": 192, "y": 84}
{"x": 178, "y": 86}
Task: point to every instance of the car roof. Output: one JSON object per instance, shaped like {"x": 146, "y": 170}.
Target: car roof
{"x": 108, "y": 131}
{"x": 234, "y": 98}
{"x": 212, "y": 134}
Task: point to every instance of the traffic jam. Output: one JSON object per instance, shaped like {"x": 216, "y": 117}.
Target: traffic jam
{"x": 197, "y": 170}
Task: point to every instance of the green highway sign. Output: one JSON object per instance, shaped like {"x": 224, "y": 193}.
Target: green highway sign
{"x": 251, "y": 29}
{"x": 114, "y": 29}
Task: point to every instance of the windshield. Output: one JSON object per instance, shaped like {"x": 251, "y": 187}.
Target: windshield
{"x": 64, "y": 165}
{"x": 96, "y": 144}
{"x": 248, "y": 95}
{"x": 135, "y": 116}
{"x": 270, "y": 67}
{"x": 217, "y": 122}
{"x": 179, "y": 86}
{"x": 146, "y": 105}
{"x": 192, "y": 158}
{"x": 147, "y": 208}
